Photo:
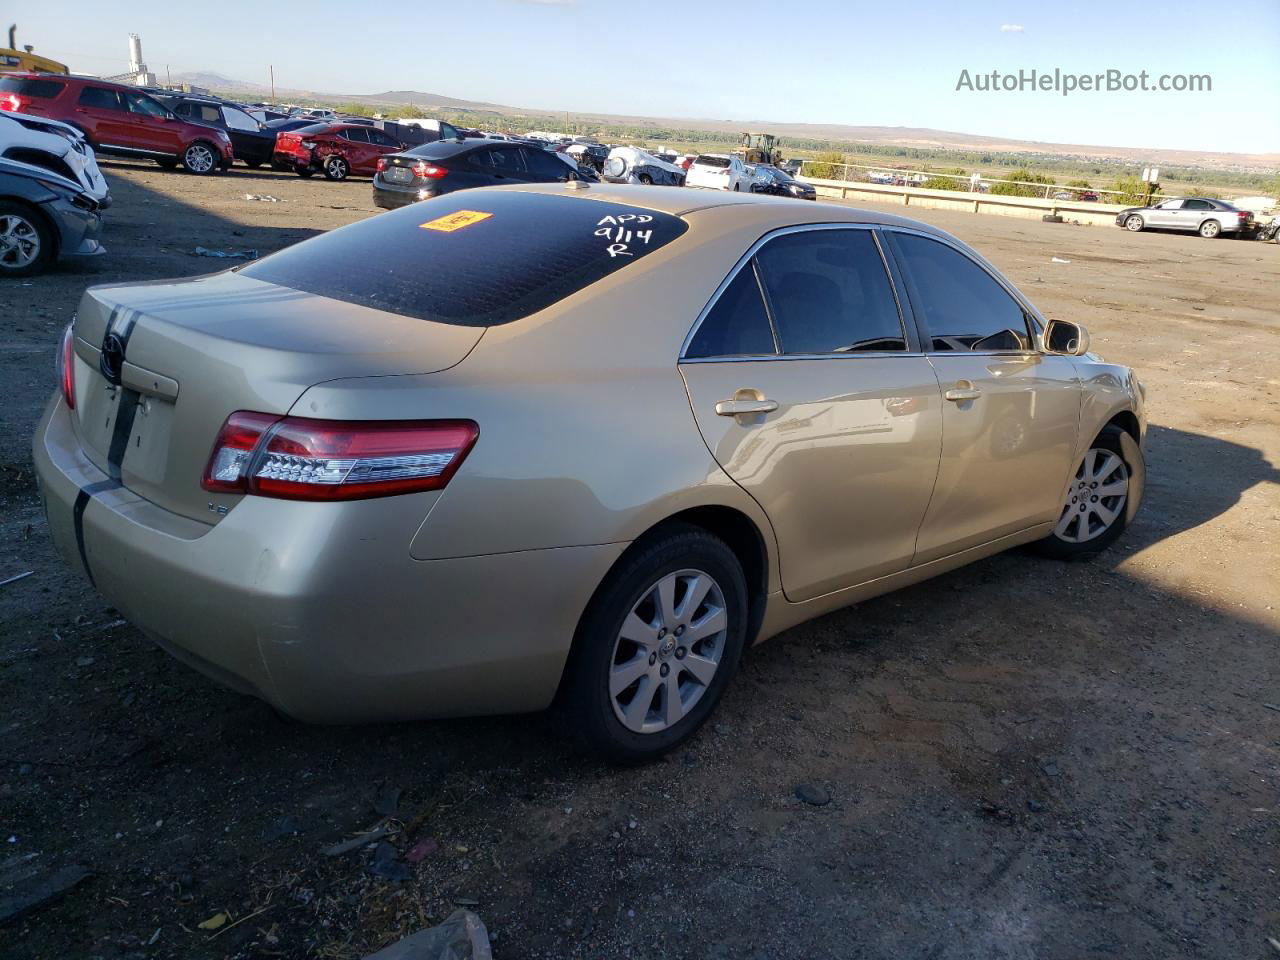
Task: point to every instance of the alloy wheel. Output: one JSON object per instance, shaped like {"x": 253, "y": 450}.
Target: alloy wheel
{"x": 1096, "y": 497}
{"x": 668, "y": 651}
{"x": 198, "y": 158}
{"x": 1134, "y": 223}
{"x": 335, "y": 168}
{"x": 19, "y": 242}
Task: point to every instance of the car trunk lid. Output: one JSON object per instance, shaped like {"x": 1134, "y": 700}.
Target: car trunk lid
{"x": 162, "y": 365}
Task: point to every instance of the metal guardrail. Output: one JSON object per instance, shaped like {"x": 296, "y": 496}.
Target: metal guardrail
{"x": 974, "y": 182}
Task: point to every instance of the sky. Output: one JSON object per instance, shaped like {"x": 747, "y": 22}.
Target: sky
{"x": 816, "y": 61}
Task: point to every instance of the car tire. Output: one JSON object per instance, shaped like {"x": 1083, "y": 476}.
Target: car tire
{"x": 1210, "y": 229}
{"x": 335, "y": 168}
{"x": 26, "y": 241}
{"x": 679, "y": 559}
{"x": 201, "y": 158}
{"x": 1134, "y": 223}
{"x": 737, "y": 188}
{"x": 645, "y": 179}
{"x": 1112, "y": 458}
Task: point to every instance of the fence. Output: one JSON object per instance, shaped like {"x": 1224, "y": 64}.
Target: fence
{"x": 970, "y": 183}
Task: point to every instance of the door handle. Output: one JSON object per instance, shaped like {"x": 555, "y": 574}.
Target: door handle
{"x": 962, "y": 391}
{"x": 737, "y": 408}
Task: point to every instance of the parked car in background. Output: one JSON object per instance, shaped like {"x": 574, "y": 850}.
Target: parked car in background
{"x": 119, "y": 120}
{"x": 591, "y": 155}
{"x": 285, "y": 124}
{"x": 719, "y": 171}
{"x": 44, "y": 217}
{"x": 252, "y": 142}
{"x": 631, "y": 165}
{"x": 56, "y": 147}
{"x": 448, "y": 165}
{"x": 1209, "y": 218}
{"x": 777, "y": 182}
{"x": 336, "y": 149}
{"x": 432, "y": 493}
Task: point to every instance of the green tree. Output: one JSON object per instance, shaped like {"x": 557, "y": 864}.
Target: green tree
{"x": 826, "y": 166}
{"x": 1131, "y": 192}
{"x": 1026, "y": 184}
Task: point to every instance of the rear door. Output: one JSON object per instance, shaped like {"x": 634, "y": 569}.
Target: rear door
{"x": 357, "y": 149}
{"x": 380, "y": 145}
{"x": 1194, "y": 213}
{"x": 1010, "y": 413}
{"x": 812, "y": 396}
{"x": 103, "y": 114}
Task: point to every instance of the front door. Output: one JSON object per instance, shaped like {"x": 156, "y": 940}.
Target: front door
{"x": 1164, "y": 215}
{"x": 154, "y": 126}
{"x": 803, "y": 383}
{"x": 1010, "y": 412}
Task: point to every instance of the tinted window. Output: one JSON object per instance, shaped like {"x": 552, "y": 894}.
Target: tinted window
{"x": 381, "y": 139}
{"x": 830, "y": 293}
{"x": 355, "y": 135}
{"x": 1197, "y": 205}
{"x": 29, "y": 87}
{"x": 504, "y": 160}
{"x": 142, "y": 104}
{"x": 737, "y": 325}
{"x": 472, "y": 259}
{"x": 208, "y": 113}
{"x": 101, "y": 98}
{"x": 960, "y": 302}
{"x": 440, "y": 151}
{"x": 705, "y": 161}
{"x": 545, "y": 166}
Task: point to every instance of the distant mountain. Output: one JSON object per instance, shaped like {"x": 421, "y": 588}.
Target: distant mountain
{"x": 920, "y": 137}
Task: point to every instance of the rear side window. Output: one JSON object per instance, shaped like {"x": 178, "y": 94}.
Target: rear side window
{"x": 738, "y": 325}
{"x": 963, "y": 306}
{"x": 30, "y": 87}
{"x": 475, "y": 260}
{"x": 504, "y": 160}
{"x": 546, "y": 166}
{"x": 100, "y": 98}
{"x": 830, "y": 293}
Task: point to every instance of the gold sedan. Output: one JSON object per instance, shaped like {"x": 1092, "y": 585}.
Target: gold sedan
{"x": 585, "y": 441}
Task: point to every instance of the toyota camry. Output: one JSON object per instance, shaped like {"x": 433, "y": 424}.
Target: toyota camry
{"x": 566, "y": 444}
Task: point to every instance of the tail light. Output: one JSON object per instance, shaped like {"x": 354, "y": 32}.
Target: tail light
{"x": 12, "y": 103}
{"x": 1243, "y": 215}
{"x": 428, "y": 171}
{"x": 67, "y": 365}
{"x": 382, "y": 164}
{"x": 296, "y": 458}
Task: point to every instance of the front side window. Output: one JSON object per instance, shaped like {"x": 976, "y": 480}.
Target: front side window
{"x": 830, "y": 293}
{"x": 144, "y": 106}
{"x": 543, "y": 165}
{"x": 963, "y": 306}
{"x": 238, "y": 119}
{"x": 737, "y": 325}
{"x": 1170, "y": 205}
{"x": 100, "y": 98}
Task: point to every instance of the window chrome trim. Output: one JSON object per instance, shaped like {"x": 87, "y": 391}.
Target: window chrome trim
{"x": 746, "y": 259}
{"x": 1038, "y": 322}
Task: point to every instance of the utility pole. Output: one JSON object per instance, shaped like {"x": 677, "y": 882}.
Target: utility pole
{"x": 272, "y": 68}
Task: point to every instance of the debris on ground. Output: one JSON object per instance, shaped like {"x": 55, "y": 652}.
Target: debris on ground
{"x": 813, "y": 794}
{"x": 1058, "y": 260}
{"x": 225, "y": 254}
{"x": 461, "y": 937}
{"x": 388, "y": 865}
{"x": 214, "y": 922}
{"x": 28, "y": 893}
{"x": 15, "y": 579}
{"x": 264, "y": 197}
{"x": 421, "y": 850}
{"x": 372, "y": 835}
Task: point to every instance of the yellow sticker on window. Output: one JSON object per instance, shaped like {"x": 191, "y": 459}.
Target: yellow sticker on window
{"x": 455, "y": 221}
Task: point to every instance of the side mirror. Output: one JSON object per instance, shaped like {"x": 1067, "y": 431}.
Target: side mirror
{"x": 1065, "y": 337}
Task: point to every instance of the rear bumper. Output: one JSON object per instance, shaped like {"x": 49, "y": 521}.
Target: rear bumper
{"x": 294, "y": 161}
{"x": 393, "y": 195}
{"x": 319, "y": 608}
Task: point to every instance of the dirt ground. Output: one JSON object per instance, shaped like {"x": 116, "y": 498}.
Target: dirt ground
{"x": 1025, "y": 759}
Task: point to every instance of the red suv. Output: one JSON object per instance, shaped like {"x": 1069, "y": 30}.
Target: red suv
{"x": 339, "y": 149}
{"x": 118, "y": 120}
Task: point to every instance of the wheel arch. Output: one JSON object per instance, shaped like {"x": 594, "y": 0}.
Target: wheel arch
{"x": 37, "y": 211}
{"x": 1127, "y": 421}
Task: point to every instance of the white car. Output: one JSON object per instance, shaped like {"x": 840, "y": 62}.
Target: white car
{"x": 720, "y": 171}
{"x": 631, "y": 165}
{"x": 54, "y": 147}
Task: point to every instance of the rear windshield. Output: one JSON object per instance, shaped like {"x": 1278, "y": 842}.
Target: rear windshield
{"x": 706, "y": 161}
{"x": 439, "y": 149}
{"x": 472, "y": 259}
{"x": 30, "y": 87}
